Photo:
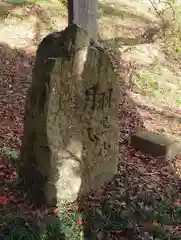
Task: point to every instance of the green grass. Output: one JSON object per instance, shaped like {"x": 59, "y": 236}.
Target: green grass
{"x": 145, "y": 209}
{"x": 145, "y": 214}
{"x": 151, "y": 83}
{"x": 53, "y": 228}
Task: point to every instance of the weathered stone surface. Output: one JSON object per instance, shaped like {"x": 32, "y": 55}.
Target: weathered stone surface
{"x": 156, "y": 144}
{"x": 70, "y": 142}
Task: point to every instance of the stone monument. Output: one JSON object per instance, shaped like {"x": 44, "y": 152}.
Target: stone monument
{"x": 70, "y": 141}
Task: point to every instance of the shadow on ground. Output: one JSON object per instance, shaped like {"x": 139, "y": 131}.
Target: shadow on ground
{"x": 143, "y": 199}
{"x": 146, "y": 38}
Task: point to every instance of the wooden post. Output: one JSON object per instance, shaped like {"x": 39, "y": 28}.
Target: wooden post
{"x": 84, "y": 13}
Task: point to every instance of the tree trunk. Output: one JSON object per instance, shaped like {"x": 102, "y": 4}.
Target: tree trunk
{"x": 84, "y": 13}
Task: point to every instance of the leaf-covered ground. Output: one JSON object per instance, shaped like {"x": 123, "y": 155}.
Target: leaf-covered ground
{"x": 142, "y": 202}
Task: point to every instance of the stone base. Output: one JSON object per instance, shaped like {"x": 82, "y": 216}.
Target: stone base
{"x": 156, "y": 144}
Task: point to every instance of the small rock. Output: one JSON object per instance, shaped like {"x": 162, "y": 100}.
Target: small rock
{"x": 156, "y": 144}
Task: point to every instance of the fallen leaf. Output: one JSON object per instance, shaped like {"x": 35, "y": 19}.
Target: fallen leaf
{"x": 3, "y": 200}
